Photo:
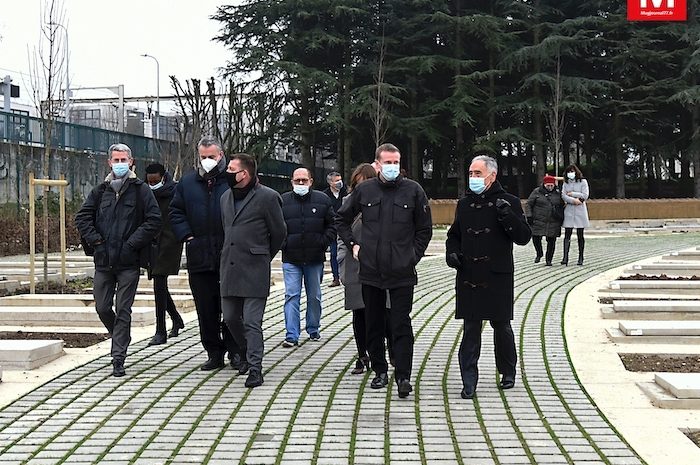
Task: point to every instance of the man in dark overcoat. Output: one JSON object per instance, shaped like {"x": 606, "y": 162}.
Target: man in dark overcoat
{"x": 480, "y": 247}
{"x": 254, "y": 230}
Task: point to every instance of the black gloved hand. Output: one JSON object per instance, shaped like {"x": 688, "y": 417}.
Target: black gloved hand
{"x": 454, "y": 260}
{"x": 503, "y": 208}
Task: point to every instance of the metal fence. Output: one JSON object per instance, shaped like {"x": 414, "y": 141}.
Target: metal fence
{"x": 29, "y": 130}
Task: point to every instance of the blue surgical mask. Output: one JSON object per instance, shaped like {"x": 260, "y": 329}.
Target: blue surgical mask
{"x": 477, "y": 185}
{"x": 156, "y": 186}
{"x": 390, "y": 172}
{"x": 300, "y": 190}
{"x": 571, "y": 175}
{"x": 120, "y": 169}
{"x": 339, "y": 185}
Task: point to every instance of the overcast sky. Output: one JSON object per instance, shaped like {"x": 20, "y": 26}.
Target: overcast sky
{"x": 107, "y": 37}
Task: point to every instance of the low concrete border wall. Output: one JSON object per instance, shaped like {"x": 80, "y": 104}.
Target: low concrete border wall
{"x": 603, "y": 209}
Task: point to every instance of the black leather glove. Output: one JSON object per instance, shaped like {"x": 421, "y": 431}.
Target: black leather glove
{"x": 454, "y": 260}
{"x": 503, "y": 208}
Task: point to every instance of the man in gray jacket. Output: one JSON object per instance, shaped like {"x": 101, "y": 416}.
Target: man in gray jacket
{"x": 254, "y": 230}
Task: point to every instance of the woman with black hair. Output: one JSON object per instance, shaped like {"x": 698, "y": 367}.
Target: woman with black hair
{"x": 574, "y": 193}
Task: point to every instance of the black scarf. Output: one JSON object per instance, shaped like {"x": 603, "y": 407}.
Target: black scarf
{"x": 240, "y": 193}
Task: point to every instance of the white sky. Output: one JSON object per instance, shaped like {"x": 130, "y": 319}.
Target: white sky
{"x": 107, "y": 37}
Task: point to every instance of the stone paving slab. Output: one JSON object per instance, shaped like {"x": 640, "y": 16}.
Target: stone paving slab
{"x": 311, "y": 410}
{"x": 681, "y": 385}
{"x": 30, "y": 354}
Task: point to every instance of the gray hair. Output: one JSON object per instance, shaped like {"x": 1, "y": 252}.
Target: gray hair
{"x": 332, "y": 174}
{"x": 118, "y": 148}
{"x": 208, "y": 141}
{"x": 490, "y": 162}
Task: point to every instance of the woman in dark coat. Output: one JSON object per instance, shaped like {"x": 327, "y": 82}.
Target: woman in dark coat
{"x": 546, "y": 215}
{"x": 165, "y": 257}
{"x": 349, "y": 269}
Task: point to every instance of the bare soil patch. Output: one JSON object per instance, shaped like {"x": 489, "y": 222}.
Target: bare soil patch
{"x": 669, "y": 363}
{"x": 78, "y": 286}
{"x": 646, "y": 277}
{"x": 695, "y": 437}
{"x": 71, "y": 340}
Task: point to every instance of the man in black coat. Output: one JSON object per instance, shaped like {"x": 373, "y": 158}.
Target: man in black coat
{"x": 309, "y": 217}
{"x": 480, "y": 247}
{"x": 335, "y": 191}
{"x": 396, "y": 230}
{"x": 165, "y": 258}
{"x": 195, "y": 214}
{"x": 119, "y": 219}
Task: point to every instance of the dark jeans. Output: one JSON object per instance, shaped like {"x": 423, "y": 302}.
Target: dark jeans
{"x": 551, "y": 244}
{"x": 334, "y": 260}
{"x": 117, "y": 321}
{"x": 244, "y": 316}
{"x": 215, "y": 336}
{"x": 470, "y": 349}
{"x": 164, "y": 303}
{"x": 401, "y": 330}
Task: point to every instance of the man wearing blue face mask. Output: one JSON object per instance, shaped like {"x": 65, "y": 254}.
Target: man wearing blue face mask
{"x": 488, "y": 220}
{"x": 119, "y": 219}
{"x": 308, "y": 215}
{"x": 336, "y": 191}
{"x": 396, "y": 230}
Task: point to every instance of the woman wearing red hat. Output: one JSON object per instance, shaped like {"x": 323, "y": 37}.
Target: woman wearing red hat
{"x": 546, "y": 215}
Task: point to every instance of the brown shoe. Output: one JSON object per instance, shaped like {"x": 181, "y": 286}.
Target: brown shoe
{"x": 335, "y": 283}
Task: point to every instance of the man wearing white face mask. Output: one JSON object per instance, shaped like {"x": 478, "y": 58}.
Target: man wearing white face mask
{"x": 118, "y": 220}
{"x": 396, "y": 230}
{"x": 336, "y": 191}
{"x": 488, "y": 220}
{"x": 309, "y": 217}
{"x": 195, "y": 215}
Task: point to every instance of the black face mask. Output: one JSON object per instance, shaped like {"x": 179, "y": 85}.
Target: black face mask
{"x": 231, "y": 178}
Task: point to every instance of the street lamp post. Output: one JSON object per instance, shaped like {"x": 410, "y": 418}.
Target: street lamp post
{"x": 157, "y": 93}
{"x": 67, "y": 97}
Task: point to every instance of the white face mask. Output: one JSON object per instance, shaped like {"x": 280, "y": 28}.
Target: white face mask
{"x": 300, "y": 190}
{"x": 156, "y": 186}
{"x": 208, "y": 164}
{"x": 571, "y": 175}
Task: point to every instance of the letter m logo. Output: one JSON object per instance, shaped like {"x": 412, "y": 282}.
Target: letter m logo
{"x": 657, "y": 10}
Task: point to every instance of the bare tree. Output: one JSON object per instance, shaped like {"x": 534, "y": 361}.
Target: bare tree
{"x": 193, "y": 107}
{"x": 556, "y": 116}
{"x": 47, "y": 72}
{"x": 379, "y": 116}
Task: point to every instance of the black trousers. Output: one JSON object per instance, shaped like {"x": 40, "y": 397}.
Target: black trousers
{"x": 399, "y": 317}
{"x": 359, "y": 329}
{"x": 470, "y": 349}
{"x": 551, "y": 244}
{"x": 164, "y": 303}
{"x": 213, "y": 332}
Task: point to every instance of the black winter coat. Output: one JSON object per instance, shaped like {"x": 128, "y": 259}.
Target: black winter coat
{"x": 168, "y": 253}
{"x": 124, "y": 223}
{"x": 484, "y": 284}
{"x": 196, "y": 211}
{"x": 544, "y": 206}
{"x": 337, "y": 203}
{"x": 310, "y": 227}
{"x": 396, "y": 230}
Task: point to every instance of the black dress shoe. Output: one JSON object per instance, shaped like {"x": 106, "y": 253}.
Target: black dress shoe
{"x": 404, "y": 388}
{"x": 538, "y": 258}
{"x": 118, "y": 368}
{"x": 255, "y": 379}
{"x": 157, "y": 340}
{"x": 507, "y": 382}
{"x": 175, "y": 331}
{"x": 548, "y": 264}
{"x": 468, "y": 392}
{"x": 379, "y": 381}
{"x": 236, "y": 361}
{"x": 214, "y": 363}
{"x": 243, "y": 368}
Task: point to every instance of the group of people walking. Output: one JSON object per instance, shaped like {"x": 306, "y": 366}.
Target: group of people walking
{"x": 377, "y": 227}
{"x": 552, "y": 207}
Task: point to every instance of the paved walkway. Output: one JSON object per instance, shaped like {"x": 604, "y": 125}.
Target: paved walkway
{"x": 310, "y": 410}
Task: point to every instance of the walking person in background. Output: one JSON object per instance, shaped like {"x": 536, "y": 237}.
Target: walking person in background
{"x": 195, "y": 215}
{"x": 574, "y": 192}
{"x": 396, "y": 230}
{"x": 309, "y": 217}
{"x": 165, "y": 260}
{"x": 480, "y": 247}
{"x": 254, "y": 225}
{"x": 119, "y": 219}
{"x": 546, "y": 215}
{"x": 349, "y": 275}
{"x": 336, "y": 191}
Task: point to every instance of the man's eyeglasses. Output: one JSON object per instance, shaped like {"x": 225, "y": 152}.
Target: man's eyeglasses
{"x": 300, "y": 181}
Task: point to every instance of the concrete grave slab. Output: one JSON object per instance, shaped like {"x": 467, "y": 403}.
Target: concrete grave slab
{"x": 681, "y": 385}
{"x": 67, "y": 316}
{"x": 27, "y": 355}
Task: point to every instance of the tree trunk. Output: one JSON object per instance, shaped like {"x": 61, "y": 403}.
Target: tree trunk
{"x": 306, "y": 135}
{"x": 416, "y": 161}
{"x": 695, "y": 144}
{"x": 619, "y": 160}
{"x": 461, "y": 162}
